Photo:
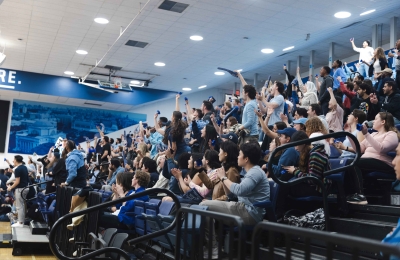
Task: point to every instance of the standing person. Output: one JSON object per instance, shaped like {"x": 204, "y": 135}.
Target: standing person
{"x": 327, "y": 82}
{"x": 176, "y": 142}
{"x": 366, "y": 54}
{"x": 20, "y": 182}
{"x": 391, "y": 101}
{"x": 395, "y": 53}
{"x": 337, "y": 72}
{"x": 75, "y": 165}
{"x": 249, "y": 118}
{"x": 379, "y": 63}
{"x": 106, "y": 149}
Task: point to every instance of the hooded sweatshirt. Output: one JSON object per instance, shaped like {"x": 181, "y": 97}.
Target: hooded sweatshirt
{"x": 73, "y": 162}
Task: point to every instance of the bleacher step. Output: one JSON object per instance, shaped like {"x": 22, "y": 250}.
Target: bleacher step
{"x": 372, "y": 229}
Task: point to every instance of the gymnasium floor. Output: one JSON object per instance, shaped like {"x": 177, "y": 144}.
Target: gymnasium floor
{"x": 6, "y": 253}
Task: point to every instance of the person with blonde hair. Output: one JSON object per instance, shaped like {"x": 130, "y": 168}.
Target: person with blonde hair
{"x": 379, "y": 63}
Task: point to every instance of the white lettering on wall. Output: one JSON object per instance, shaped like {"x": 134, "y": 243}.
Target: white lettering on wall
{"x": 2, "y": 75}
{"x": 11, "y": 77}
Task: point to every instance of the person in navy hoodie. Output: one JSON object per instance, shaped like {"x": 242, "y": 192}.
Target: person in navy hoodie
{"x": 125, "y": 182}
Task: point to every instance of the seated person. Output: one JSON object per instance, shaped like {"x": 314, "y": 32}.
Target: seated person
{"x": 125, "y": 182}
{"x": 150, "y": 166}
{"x": 313, "y": 162}
{"x": 253, "y": 188}
{"x": 375, "y": 147}
{"x": 355, "y": 117}
{"x": 182, "y": 165}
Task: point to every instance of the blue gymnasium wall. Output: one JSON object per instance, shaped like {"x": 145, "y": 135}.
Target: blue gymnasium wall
{"x": 70, "y": 88}
{"x": 36, "y": 126}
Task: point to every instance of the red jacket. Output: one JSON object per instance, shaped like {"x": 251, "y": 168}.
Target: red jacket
{"x": 349, "y": 95}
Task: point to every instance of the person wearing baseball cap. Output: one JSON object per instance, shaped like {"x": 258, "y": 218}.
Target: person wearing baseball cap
{"x": 230, "y": 136}
{"x": 300, "y": 124}
{"x": 288, "y": 157}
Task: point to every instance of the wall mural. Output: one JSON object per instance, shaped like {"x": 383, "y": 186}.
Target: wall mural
{"x": 36, "y": 126}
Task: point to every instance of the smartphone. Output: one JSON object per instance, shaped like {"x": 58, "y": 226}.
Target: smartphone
{"x": 284, "y": 64}
{"x": 186, "y": 99}
{"x": 351, "y": 39}
{"x": 158, "y": 112}
{"x": 180, "y": 93}
{"x": 5, "y": 159}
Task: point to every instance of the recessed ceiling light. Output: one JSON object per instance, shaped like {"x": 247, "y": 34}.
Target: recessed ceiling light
{"x": 267, "y": 50}
{"x": 196, "y": 38}
{"x": 160, "y": 64}
{"x": 219, "y": 73}
{"x": 68, "y": 73}
{"x": 342, "y": 14}
{"x": 101, "y": 20}
{"x": 135, "y": 82}
{"x": 203, "y": 86}
{"x": 82, "y": 52}
{"x": 368, "y": 12}
{"x": 186, "y": 89}
{"x": 288, "y": 48}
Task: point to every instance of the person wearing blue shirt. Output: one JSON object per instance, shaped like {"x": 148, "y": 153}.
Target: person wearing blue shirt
{"x": 75, "y": 165}
{"x": 249, "y": 118}
{"x": 125, "y": 182}
{"x": 338, "y": 71}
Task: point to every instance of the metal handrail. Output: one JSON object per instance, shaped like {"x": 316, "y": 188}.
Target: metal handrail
{"x": 312, "y": 178}
{"x": 53, "y": 231}
{"x": 356, "y": 244}
{"x": 32, "y": 185}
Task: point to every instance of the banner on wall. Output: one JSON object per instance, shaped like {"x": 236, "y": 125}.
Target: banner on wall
{"x": 36, "y": 126}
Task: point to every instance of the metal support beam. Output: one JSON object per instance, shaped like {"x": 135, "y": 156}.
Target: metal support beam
{"x": 331, "y": 53}
{"x": 393, "y": 31}
{"x": 374, "y": 42}
{"x": 255, "y": 80}
{"x": 311, "y": 65}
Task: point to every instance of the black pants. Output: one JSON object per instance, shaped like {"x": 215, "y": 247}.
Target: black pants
{"x": 111, "y": 221}
{"x": 398, "y": 78}
{"x": 367, "y": 165}
{"x": 303, "y": 189}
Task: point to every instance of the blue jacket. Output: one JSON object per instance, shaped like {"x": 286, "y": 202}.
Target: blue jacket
{"x": 249, "y": 118}
{"x": 155, "y": 139}
{"x": 290, "y": 157}
{"x": 73, "y": 162}
{"x": 130, "y": 207}
{"x": 114, "y": 176}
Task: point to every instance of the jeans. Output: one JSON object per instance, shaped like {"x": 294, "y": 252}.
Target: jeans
{"x": 363, "y": 70}
{"x": 20, "y": 203}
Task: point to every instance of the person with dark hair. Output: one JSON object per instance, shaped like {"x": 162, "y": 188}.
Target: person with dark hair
{"x": 364, "y": 103}
{"x": 209, "y": 138}
{"x": 347, "y": 89}
{"x": 234, "y": 112}
{"x": 300, "y": 113}
{"x": 206, "y": 109}
{"x": 253, "y": 188}
{"x": 3, "y": 180}
{"x": 75, "y": 165}
{"x": 105, "y": 149}
{"x": 114, "y": 169}
{"x": 366, "y": 54}
{"x": 396, "y": 59}
{"x": 125, "y": 182}
{"x": 270, "y": 133}
{"x": 275, "y": 107}
{"x": 315, "y": 111}
{"x": 290, "y": 80}
{"x": 182, "y": 166}
{"x": 176, "y": 143}
{"x": 249, "y": 129}
{"x": 313, "y": 162}
{"x": 327, "y": 82}
{"x": 150, "y": 166}
{"x": 20, "y": 194}
{"x": 337, "y": 72}
{"x": 356, "y": 117}
{"x": 391, "y": 102}
{"x": 334, "y": 117}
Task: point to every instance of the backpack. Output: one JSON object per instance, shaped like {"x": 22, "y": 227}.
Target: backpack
{"x": 313, "y": 220}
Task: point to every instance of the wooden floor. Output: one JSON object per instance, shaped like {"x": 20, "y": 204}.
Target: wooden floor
{"x": 6, "y": 253}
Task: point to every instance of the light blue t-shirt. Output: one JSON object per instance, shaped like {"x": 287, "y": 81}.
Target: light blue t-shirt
{"x": 276, "y": 115}
{"x": 249, "y": 118}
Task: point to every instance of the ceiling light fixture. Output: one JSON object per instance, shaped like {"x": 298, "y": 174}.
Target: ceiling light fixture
{"x": 101, "y": 20}
{"x": 288, "y": 48}
{"x": 159, "y": 64}
{"x": 342, "y": 15}
{"x": 219, "y": 73}
{"x": 367, "y": 12}
{"x": 267, "y": 51}
{"x": 239, "y": 70}
{"x": 68, "y": 73}
{"x": 186, "y": 89}
{"x": 196, "y": 38}
{"x": 204, "y": 86}
{"x": 135, "y": 82}
{"x": 82, "y": 52}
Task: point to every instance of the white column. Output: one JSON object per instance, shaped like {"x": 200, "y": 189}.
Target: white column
{"x": 311, "y": 65}
{"x": 331, "y": 53}
{"x": 393, "y": 31}
{"x": 374, "y": 42}
{"x": 255, "y": 80}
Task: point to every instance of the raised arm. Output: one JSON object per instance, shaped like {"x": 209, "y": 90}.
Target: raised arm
{"x": 241, "y": 78}
{"x": 177, "y": 102}
{"x": 215, "y": 124}
{"x": 264, "y": 125}
{"x": 156, "y": 126}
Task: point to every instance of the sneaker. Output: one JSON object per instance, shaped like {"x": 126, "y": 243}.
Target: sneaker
{"x": 357, "y": 199}
{"x": 17, "y": 224}
{"x": 214, "y": 253}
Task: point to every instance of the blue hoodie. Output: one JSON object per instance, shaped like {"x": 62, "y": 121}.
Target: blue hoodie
{"x": 73, "y": 162}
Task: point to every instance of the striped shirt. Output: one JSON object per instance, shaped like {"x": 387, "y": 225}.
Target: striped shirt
{"x": 318, "y": 163}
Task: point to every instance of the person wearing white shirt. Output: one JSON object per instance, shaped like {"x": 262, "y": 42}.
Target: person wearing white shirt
{"x": 366, "y": 54}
